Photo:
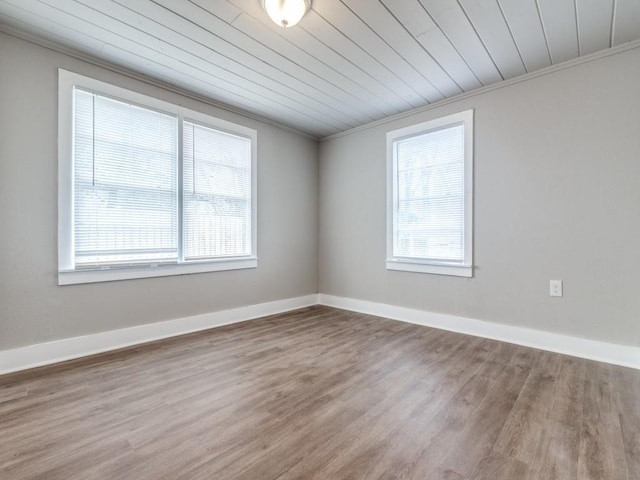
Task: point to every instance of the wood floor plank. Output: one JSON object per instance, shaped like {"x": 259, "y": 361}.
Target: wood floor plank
{"x": 322, "y": 393}
{"x": 436, "y": 384}
{"x": 626, "y": 385}
{"x": 496, "y": 467}
{"x": 483, "y": 427}
{"x": 556, "y": 455}
{"x": 448, "y": 398}
{"x": 523, "y": 429}
{"x": 602, "y": 451}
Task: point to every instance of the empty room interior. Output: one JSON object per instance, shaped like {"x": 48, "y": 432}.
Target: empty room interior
{"x": 320, "y": 239}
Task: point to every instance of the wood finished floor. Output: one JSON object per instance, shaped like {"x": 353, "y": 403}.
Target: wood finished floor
{"x": 321, "y": 393}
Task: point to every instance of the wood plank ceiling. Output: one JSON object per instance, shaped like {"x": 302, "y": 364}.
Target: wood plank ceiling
{"x": 347, "y": 63}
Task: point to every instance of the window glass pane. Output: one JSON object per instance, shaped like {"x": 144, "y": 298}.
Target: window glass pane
{"x": 429, "y": 196}
{"x": 217, "y": 193}
{"x": 125, "y": 187}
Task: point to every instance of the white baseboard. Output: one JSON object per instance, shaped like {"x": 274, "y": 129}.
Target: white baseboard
{"x": 627, "y": 356}
{"x": 69, "y": 348}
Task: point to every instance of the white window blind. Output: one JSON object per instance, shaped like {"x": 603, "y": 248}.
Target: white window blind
{"x": 429, "y": 215}
{"x": 217, "y": 193}
{"x": 148, "y": 188}
{"x": 125, "y": 191}
{"x": 429, "y": 196}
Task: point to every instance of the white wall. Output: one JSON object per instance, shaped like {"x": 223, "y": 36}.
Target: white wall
{"x": 34, "y": 309}
{"x": 557, "y": 196}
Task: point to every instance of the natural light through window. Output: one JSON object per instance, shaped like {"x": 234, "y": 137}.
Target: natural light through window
{"x": 217, "y": 193}
{"x": 429, "y": 196}
{"x": 125, "y": 186}
{"x": 148, "y": 188}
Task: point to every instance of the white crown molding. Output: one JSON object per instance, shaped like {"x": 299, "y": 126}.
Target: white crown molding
{"x": 69, "y": 348}
{"x": 56, "y": 47}
{"x": 494, "y": 86}
{"x": 627, "y": 356}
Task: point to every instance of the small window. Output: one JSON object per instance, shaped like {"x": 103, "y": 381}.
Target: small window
{"x": 148, "y": 188}
{"x": 429, "y": 196}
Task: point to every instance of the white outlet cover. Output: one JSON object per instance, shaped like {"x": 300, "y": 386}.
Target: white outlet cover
{"x": 555, "y": 288}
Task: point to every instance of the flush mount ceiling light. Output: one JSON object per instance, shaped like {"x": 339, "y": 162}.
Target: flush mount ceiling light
{"x": 286, "y": 13}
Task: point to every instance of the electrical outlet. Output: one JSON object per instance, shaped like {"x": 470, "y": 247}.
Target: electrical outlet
{"x": 555, "y": 288}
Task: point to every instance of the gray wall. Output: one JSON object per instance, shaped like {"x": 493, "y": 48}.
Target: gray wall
{"x": 34, "y": 309}
{"x": 557, "y": 169}
{"x": 557, "y": 196}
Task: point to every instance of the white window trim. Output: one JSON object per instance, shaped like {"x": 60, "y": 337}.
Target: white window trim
{"x": 417, "y": 264}
{"x": 67, "y": 274}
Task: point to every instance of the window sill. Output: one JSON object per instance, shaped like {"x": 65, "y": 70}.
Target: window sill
{"x": 453, "y": 270}
{"x": 73, "y": 277}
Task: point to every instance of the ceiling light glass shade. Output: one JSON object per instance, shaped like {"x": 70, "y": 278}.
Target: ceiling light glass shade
{"x": 286, "y": 13}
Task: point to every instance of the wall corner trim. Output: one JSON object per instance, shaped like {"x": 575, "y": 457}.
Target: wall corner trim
{"x": 40, "y": 354}
{"x": 623, "y": 355}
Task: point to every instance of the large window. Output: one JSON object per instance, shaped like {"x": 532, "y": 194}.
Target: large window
{"x": 149, "y": 188}
{"x": 429, "y": 194}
